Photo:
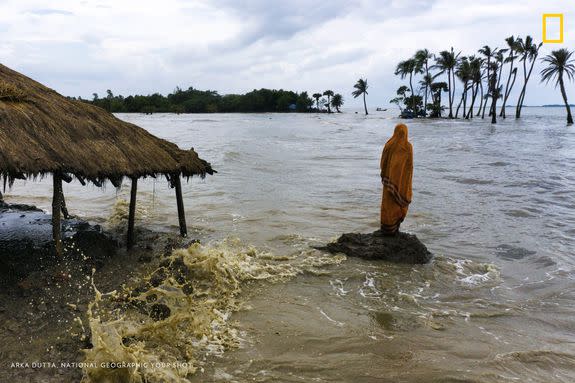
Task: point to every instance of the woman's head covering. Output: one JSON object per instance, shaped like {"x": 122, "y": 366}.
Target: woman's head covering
{"x": 399, "y": 134}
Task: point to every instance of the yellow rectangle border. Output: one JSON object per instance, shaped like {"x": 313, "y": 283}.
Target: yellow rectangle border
{"x": 553, "y": 15}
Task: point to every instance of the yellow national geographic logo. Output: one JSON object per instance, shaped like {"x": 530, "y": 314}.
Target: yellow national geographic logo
{"x": 554, "y": 17}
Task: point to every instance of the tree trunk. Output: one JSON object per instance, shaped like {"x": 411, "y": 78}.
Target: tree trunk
{"x": 488, "y": 87}
{"x": 364, "y": 104}
{"x": 498, "y": 81}
{"x": 473, "y": 97}
{"x": 507, "y": 88}
{"x": 564, "y": 94}
{"x": 449, "y": 91}
{"x": 480, "y": 98}
{"x": 524, "y": 90}
{"x": 56, "y": 214}
{"x": 460, "y": 102}
{"x": 132, "y": 213}
{"x": 426, "y": 89}
{"x": 413, "y": 108}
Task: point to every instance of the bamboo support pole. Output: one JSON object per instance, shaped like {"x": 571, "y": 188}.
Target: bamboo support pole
{"x": 56, "y": 211}
{"x": 180, "y": 202}
{"x": 132, "y": 213}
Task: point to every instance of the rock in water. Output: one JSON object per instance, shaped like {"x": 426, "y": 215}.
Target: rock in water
{"x": 26, "y": 241}
{"x": 400, "y": 248}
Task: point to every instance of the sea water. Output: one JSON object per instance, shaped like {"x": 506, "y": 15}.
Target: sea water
{"x": 494, "y": 203}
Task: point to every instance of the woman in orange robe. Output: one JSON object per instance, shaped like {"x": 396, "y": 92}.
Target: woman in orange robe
{"x": 396, "y": 174}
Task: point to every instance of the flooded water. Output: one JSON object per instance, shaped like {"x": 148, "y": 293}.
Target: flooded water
{"x": 494, "y": 203}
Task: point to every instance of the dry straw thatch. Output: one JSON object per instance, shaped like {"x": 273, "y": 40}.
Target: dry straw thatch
{"x": 43, "y": 132}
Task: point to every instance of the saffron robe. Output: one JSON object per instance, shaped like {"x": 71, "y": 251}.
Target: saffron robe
{"x": 396, "y": 174}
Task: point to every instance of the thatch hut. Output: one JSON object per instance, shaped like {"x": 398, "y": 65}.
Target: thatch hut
{"x": 42, "y": 132}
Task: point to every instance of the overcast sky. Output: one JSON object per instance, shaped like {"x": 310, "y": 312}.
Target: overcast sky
{"x": 144, "y": 46}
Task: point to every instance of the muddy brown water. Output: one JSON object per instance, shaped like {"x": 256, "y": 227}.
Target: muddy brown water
{"x": 495, "y": 204}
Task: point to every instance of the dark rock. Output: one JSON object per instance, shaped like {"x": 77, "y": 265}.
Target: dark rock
{"x": 158, "y": 277}
{"x": 26, "y": 242}
{"x": 152, "y": 298}
{"x": 400, "y": 248}
{"x": 188, "y": 288}
{"x": 145, "y": 258}
{"x": 159, "y": 311}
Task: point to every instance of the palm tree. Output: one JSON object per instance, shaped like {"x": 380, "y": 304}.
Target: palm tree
{"x": 500, "y": 60}
{"x": 317, "y": 96}
{"x": 529, "y": 52}
{"x": 446, "y": 62}
{"x": 476, "y": 76}
{"x": 337, "y": 101}
{"x": 361, "y": 89}
{"x": 329, "y": 94}
{"x": 559, "y": 65}
{"x": 436, "y": 88}
{"x": 488, "y": 53}
{"x": 463, "y": 72}
{"x": 513, "y": 46}
{"x": 426, "y": 84}
{"x": 409, "y": 68}
{"x": 494, "y": 90}
{"x": 422, "y": 57}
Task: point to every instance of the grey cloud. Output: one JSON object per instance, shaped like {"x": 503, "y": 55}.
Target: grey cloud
{"x": 49, "y": 11}
{"x": 281, "y": 20}
{"x": 337, "y": 58}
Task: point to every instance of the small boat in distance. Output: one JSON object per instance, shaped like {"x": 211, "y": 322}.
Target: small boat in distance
{"x": 381, "y": 109}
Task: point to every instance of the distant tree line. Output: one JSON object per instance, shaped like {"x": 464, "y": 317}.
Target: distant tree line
{"x": 209, "y": 101}
{"x": 484, "y": 79}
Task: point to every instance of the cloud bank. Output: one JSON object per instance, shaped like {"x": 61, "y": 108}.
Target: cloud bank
{"x": 82, "y": 47}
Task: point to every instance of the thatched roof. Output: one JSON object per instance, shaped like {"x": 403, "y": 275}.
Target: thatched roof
{"x": 43, "y": 132}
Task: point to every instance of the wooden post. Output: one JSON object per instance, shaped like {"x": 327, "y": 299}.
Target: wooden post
{"x": 56, "y": 209}
{"x": 132, "y": 213}
{"x": 180, "y": 201}
{"x": 63, "y": 203}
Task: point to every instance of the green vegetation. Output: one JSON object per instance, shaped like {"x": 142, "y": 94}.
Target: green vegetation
{"x": 361, "y": 89}
{"x": 337, "y": 102}
{"x": 481, "y": 77}
{"x": 560, "y": 65}
{"x": 207, "y": 101}
{"x": 329, "y": 94}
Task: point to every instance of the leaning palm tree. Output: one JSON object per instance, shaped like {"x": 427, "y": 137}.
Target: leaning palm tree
{"x": 528, "y": 52}
{"x": 463, "y": 73}
{"x": 409, "y": 68}
{"x": 446, "y": 62}
{"x": 422, "y": 57}
{"x": 499, "y": 60}
{"x": 560, "y": 65}
{"x": 361, "y": 89}
{"x": 337, "y": 102}
{"x": 476, "y": 76}
{"x": 488, "y": 53}
{"x": 317, "y": 96}
{"x": 514, "y": 45}
{"x": 329, "y": 94}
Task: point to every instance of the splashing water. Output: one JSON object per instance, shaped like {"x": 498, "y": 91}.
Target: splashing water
{"x": 159, "y": 330}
